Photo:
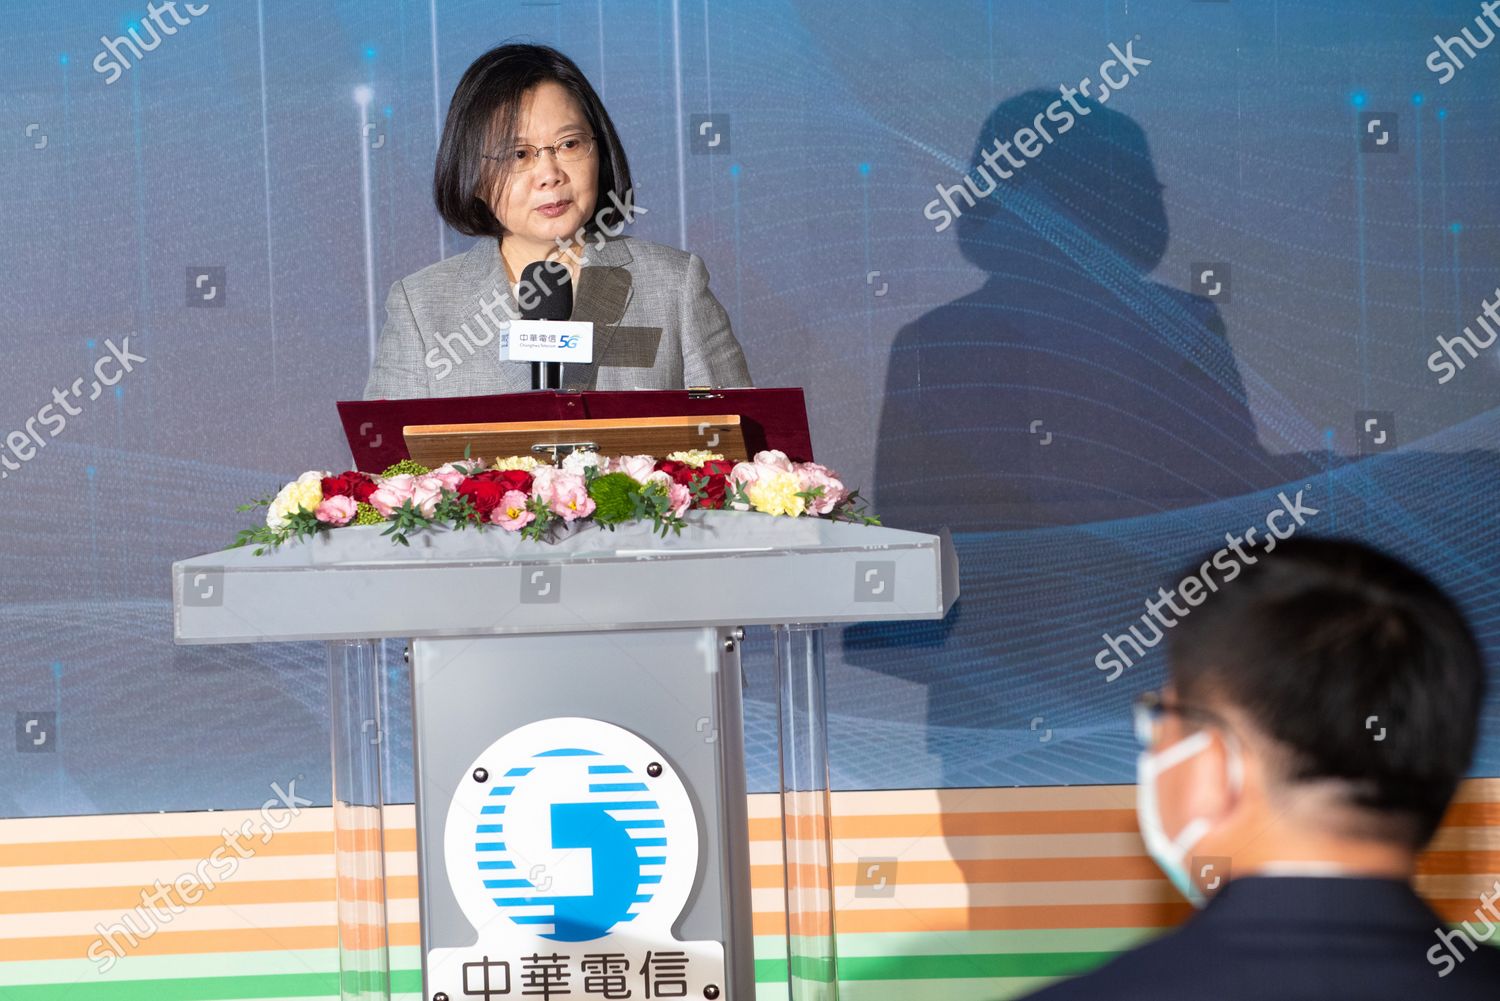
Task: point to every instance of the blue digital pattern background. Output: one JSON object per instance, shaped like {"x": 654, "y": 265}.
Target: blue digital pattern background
{"x": 1049, "y": 376}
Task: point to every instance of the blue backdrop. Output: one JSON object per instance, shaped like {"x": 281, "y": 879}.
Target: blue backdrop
{"x": 1224, "y": 280}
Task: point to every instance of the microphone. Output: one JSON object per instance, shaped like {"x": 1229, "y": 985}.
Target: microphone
{"x": 551, "y": 299}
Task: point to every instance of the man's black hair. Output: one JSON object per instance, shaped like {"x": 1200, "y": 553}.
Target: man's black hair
{"x": 1357, "y": 665}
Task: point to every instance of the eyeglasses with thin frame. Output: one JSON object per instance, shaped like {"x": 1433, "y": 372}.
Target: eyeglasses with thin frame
{"x": 569, "y": 149}
{"x": 1149, "y": 708}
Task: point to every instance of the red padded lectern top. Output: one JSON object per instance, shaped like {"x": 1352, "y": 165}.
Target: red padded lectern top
{"x": 771, "y": 418}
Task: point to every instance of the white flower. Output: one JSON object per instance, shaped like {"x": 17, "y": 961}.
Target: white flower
{"x": 304, "y": 493}
{"x": 526, "y": 462}
{"x": 695, "y": 457}
{"x": 577, "y": 462}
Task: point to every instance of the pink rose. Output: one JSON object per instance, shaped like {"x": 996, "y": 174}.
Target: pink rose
{"x": 426, "y": 492}
{"x": 774, "y": 459}
{"x": 637, "y": 467}
{"x": 511, "y": 513}
{"x": 336, "y": 510}
{"x": 570, "y": 498}
{"x": 810, "y": 476}
{"x": 541, "y": 482}
{"x": 391, "y": 493}
{"x": 741, "y": 476}
{"x": 680, "y": 497}
{"x": 452, "y": 474}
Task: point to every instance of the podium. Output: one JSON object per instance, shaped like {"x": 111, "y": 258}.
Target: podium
{"x": 578, "y": 736}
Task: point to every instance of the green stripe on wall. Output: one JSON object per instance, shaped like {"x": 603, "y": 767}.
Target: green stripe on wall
{"x": 979, "y": 989}
{"x": 286, "y": 985}
{"x": 769, "y": 948}
{"x": 309, "y": 985}
{"x": 220, "y": 965}
{"x": 923, "y": 943}
{"x": 962, "y": 966}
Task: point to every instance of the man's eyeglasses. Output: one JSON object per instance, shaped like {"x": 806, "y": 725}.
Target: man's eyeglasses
{"x": 568, "y": 149}
{"x": 1149, "y": 709}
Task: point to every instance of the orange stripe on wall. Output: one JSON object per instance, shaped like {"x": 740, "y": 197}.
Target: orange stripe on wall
{"x": 266, "y": 891}
{"x": 397, "y": 839}
{"x": 920, "y": 825}
{"x": 1042, "y": 870}
{"x": 1473, "y": 814}
{"x": 170, "y": 943}
{"x": 1024, "y": 917}
{"x": 1465, "y": 863}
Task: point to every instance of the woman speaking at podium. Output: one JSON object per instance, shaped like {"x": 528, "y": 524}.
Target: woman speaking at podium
{"x": 531, "y": 164}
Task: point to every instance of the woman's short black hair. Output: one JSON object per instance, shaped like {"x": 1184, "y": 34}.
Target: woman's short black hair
{"x": 482, "y": 119}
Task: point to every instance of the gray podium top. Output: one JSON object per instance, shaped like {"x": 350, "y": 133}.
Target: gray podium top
{"x": 727, "y": 568}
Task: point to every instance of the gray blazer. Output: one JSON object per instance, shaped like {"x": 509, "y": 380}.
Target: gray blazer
{"x": 656, "y": 326}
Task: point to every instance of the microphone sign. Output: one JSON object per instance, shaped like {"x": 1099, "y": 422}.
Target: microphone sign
{"x": 568, "y": 341}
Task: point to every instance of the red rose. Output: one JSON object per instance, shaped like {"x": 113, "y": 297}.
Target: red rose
{"x": 351, "y": 484}
{"x": 718, "y": 467}
{"x": 509, "y": 479}
{"x": 713, "y": 492}
{"x": 483, "y": 493}
{"x": 714, "y": 474}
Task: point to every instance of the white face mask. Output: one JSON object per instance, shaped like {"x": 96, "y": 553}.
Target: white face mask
{"x": 1172, "y": 854}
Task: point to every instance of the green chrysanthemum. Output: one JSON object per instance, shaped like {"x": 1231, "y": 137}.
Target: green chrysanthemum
{"x": 616, "y": 498}
{"x": 407, "y": 467}
{"x": 365, "y": 514}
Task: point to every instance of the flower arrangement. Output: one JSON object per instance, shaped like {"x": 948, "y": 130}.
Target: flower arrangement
{"x": 535, "y": 499}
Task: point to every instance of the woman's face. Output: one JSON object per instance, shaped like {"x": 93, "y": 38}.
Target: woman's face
{"x": 554, "y": 198}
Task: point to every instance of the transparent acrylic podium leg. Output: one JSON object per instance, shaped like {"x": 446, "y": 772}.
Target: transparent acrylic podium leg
{"x": 354, "y": 684}
{"x": 807, "y": 842}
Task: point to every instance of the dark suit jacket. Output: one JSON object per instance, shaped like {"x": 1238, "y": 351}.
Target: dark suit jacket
{"x": 1301, "y": 939}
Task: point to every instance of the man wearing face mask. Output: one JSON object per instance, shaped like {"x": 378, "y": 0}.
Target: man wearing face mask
{"x": 1320, "y": 713}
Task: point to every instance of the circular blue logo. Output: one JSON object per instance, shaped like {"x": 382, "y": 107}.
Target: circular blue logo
{"x": 571, "y": 844}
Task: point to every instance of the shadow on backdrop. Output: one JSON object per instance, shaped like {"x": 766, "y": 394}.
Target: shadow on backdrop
{"x": 1069, "y": 387}
{"x": 1084, "y": 432}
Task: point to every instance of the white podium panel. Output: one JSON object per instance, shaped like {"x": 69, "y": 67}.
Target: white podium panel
{"x": 578, "y": 730}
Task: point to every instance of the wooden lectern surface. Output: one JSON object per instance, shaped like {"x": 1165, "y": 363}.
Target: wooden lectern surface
{"x": 434, "y": 444}
{"x": 769, "y": 418}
